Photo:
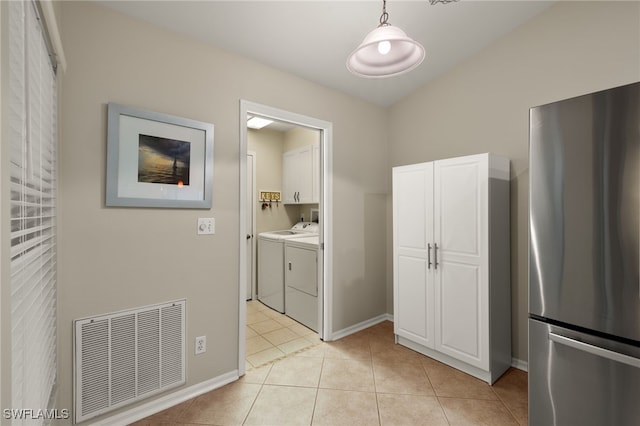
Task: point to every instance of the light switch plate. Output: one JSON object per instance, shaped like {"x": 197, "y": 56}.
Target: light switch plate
{"x": 206, "y": 226}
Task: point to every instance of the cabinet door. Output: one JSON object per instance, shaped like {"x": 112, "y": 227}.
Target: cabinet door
{"x": 288, "y": 177}
{"x": 297, "y": 176}
{"x": 304, "y": 177}
{"x": 412, "y": 235}
{"x": 461, "y": 282}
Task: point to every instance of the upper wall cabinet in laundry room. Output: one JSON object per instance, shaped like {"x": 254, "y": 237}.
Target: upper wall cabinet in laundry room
{"x": 301, "y": 175}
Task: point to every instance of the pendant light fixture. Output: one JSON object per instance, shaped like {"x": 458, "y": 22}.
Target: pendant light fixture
{"x": 386, "y": 51}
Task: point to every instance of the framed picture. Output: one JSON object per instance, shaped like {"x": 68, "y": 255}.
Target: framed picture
{"x": 158, "y": 160}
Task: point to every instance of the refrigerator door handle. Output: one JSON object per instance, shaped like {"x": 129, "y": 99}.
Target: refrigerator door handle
{"x": 595, "y": 350}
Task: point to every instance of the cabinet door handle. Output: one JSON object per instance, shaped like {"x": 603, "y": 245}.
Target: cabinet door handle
{"x": 428, "y": 256}
{"x": 435, "y": 255}
{"x": 289, "y": 265}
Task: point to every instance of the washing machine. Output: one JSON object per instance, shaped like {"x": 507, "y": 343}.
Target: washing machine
{"x": 271, "y": 262}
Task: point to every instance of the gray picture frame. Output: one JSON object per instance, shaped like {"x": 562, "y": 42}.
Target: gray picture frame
{"x": 186, "y": 183}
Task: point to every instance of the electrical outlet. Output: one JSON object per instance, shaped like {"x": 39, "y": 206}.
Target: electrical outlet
{"x": 201, "y": 344}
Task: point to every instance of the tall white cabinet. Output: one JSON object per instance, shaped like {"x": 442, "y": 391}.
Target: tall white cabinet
{"x": 451, "y": 257}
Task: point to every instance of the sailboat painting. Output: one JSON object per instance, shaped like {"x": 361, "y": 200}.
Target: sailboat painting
{"x": 164, "y": 161}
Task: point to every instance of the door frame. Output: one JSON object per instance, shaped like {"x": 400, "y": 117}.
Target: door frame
{"x": 325, "y": 251}
{"x": 254, "y": 289}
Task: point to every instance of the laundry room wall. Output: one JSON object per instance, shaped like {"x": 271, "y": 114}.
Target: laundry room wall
{"x": 269, "y": 147}
{"x": 300, "y": 136}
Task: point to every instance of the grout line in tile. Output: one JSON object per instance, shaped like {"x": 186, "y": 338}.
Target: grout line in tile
{"x": 378, "y": 406}
{"x": 443, "y": 410}
{"x": 507, "y": 407}
{"x": 244, "y": 420}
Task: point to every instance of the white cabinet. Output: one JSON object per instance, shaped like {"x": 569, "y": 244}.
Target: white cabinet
{"x": 451, "y": 262}
{"x": 300, "y": 175}
{"x": 412, "y": 253}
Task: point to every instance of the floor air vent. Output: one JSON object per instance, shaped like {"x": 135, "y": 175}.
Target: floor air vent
{"x": 127, "y": 356}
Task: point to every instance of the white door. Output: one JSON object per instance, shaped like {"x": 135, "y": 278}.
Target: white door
{"x": 461, "y": 288}
{"x": 413, "y": 254}
{"x": 250, "y": 215}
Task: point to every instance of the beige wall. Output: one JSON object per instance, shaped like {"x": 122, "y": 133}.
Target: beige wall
{"x": 117, "y": 258}
{"x": 268, "y": 146}
{"x": 299, "y": 137}
{"x": 483, "y": 105}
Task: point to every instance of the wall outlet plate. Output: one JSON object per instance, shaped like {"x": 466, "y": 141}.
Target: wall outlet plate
{"x": 201, "y": 344}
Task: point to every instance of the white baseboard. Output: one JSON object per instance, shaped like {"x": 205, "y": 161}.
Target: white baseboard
{"x": 361, "y": 326}
{"x": 520, "y": 364}
{"x": 167, "y": 401}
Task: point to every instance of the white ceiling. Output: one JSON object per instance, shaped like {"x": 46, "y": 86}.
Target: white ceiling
{"x": 312, "y": 39}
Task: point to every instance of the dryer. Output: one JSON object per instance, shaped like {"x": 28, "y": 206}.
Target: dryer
{"x": 271, "y": 262}
{"x": 301, "y": 280}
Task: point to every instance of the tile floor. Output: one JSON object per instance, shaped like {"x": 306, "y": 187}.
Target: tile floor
{"x": 272, "y": 335}
{"x": 362, "y": 379}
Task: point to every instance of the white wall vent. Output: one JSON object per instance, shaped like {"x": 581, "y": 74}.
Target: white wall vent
{"x": 127, "y": 356}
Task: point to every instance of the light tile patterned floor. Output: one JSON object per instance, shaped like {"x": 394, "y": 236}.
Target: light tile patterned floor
{"x": 363, "y": 379}
{"x": 272, "y": 335}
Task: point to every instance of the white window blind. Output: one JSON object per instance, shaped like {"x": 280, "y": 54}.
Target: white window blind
{"x": 32, "y": 121}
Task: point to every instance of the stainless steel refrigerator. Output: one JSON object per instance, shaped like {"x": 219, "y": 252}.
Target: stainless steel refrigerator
{"x": 584, "y": 286}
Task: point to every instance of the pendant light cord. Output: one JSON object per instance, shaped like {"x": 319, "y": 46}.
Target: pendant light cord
{"x": 385, "y": 16}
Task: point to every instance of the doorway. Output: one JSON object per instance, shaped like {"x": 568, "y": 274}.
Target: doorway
{"x": 324, "y": 216}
